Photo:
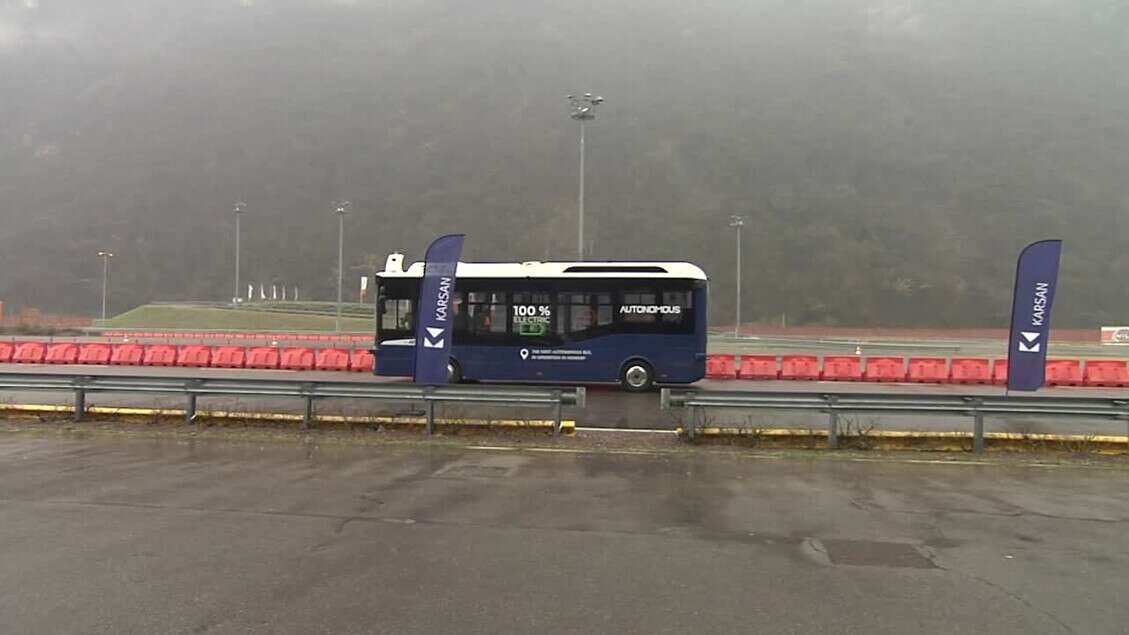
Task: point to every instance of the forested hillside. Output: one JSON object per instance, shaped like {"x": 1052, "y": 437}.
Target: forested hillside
{"x": 891, "y": 156}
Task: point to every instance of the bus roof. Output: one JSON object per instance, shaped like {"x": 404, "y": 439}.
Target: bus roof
{"x": 536, "y": 269}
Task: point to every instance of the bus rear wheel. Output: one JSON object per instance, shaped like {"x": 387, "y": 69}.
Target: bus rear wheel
{"x": 637, "y": 376}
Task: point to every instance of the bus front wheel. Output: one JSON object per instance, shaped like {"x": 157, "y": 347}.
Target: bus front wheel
{"x": 637, "y": 376}
{"x": 454, "y": 373}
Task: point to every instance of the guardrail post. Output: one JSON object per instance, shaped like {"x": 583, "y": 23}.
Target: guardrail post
{"x": 79, "y": 404}
{"x": 308, "y": 415}
{"x": 691, "y": 422}
{"x": 832, "y": 422}
{"x": 430, "y": 417}
{"x": 557, "y": 414}
{"x": 977, "y": 428}
{"x": 190, "y": 409}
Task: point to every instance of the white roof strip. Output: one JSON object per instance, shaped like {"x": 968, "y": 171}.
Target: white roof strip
{"x": 676, "y": 270}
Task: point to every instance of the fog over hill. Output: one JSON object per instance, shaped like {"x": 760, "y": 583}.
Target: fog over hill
{"x": 891, "y": 156}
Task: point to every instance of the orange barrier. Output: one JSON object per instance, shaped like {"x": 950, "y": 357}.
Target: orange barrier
{"x": 127, "y": 354}
{"x": 999, "y": 372}
{"x": 61, "y": 353}
{"x": 6, "y": 350}
{"x": 361, "y": 361}
{"x": 94, "y": 353}
{"x": 841, "y": 368}
{"x": 970, "y": 370}
{"x": 29, "y": 353}
{"x": 196, "y": 356}
{"x": 332, "y": 359}
{"x": 228, "y": 357}
{"x": 885, "y": 369}
{"x": 159, "y": 355}
{"x": 297, "y": 359}
{"x": 721, "y": 367}
{"x": 262, "y": 357}
{"x": 758, "y": 367}
{"x": 1106, "y": 372}
{"x": 928, "y": 370}
{"x": 801, "y": 367}
{"x": 1064, "y": 372}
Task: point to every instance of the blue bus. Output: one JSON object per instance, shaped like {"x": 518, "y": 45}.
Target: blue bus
{"x": 633, "y": 323}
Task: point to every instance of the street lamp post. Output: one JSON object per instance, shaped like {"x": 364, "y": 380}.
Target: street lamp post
{"x": 105, "y": 256}
{"x": 238, "y": 209}
{"x": 342, "y": 208}
{"x": 583, "y": 110}
{"x": 737, "y": 222}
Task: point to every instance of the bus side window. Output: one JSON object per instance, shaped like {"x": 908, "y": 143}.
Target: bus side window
{"x": 486, "y": 313}
{"x": 460, "y": 310}
{"x": 583, "y": 315}
{"x": 678, "y": 315}
{"x": 636, "y": 306}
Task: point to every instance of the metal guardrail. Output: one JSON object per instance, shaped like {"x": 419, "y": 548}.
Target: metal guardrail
{"x": 310, "y": 391}
{"x": 834, "y": 404}
{"x": 846, "y": 344}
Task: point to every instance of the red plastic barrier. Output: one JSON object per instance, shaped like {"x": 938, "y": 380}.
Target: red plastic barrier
{"x": 758, "y": 367}
{"x": 925, "y": 370}
{"x": 885, "y": 369}
{"x": 29, "y": 353}
{"x": 999, "y": 372}
{"x": 332, "y": 359}
{"x": 195, "y": 355}
{"x": 159, "y": 355}
{"x": 804, "y": 367}
{"x": 1064, "y": 372}
{"x": 297, "y": 359}
{"x": 1104, "y": 372}
{"x": 94, "y": 353}
{"x": 229, "y": 357}
{"x": 61, "y": 353}
{"x": 262, "y": 357}
{"x": 843, "y": 368}
{"x": 6, "y": 350}
{"x": 969, "y": 370}
{"x": 127, "y": 354}
{"x": 721, "y": 367}
{"x": 361, "y": 361}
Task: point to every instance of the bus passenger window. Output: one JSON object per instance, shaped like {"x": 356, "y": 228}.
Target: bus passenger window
{"x": 637, "y": 307}
{"x": 678, "y": 308}
{"x": 582, "y": 315}
{"x": 460, "y": 310}
{"x": 486, "y": 312}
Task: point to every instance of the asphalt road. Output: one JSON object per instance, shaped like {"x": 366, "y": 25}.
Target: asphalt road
{"x": 608, "y": 407}
{"x": 119, "y": 535}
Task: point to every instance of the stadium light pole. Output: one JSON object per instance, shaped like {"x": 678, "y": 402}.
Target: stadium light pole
{"x": 342, "y": 209}
{"x": 737, "y": 222}
{"x": 105, "y": 256}
{"x": 238, "y": 210}
{"x": 583, "y": 110}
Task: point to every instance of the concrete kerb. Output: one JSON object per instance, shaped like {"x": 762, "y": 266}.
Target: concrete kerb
{"x": 220, "y": 417}
{"x": 955, "y": 441}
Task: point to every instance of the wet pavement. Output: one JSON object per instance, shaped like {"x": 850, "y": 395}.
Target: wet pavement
{"x": 176, "y": 535}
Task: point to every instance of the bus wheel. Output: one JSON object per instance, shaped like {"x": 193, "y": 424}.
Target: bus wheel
{"x": 637, "y": 376}
{"x": 454, "y": 373}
